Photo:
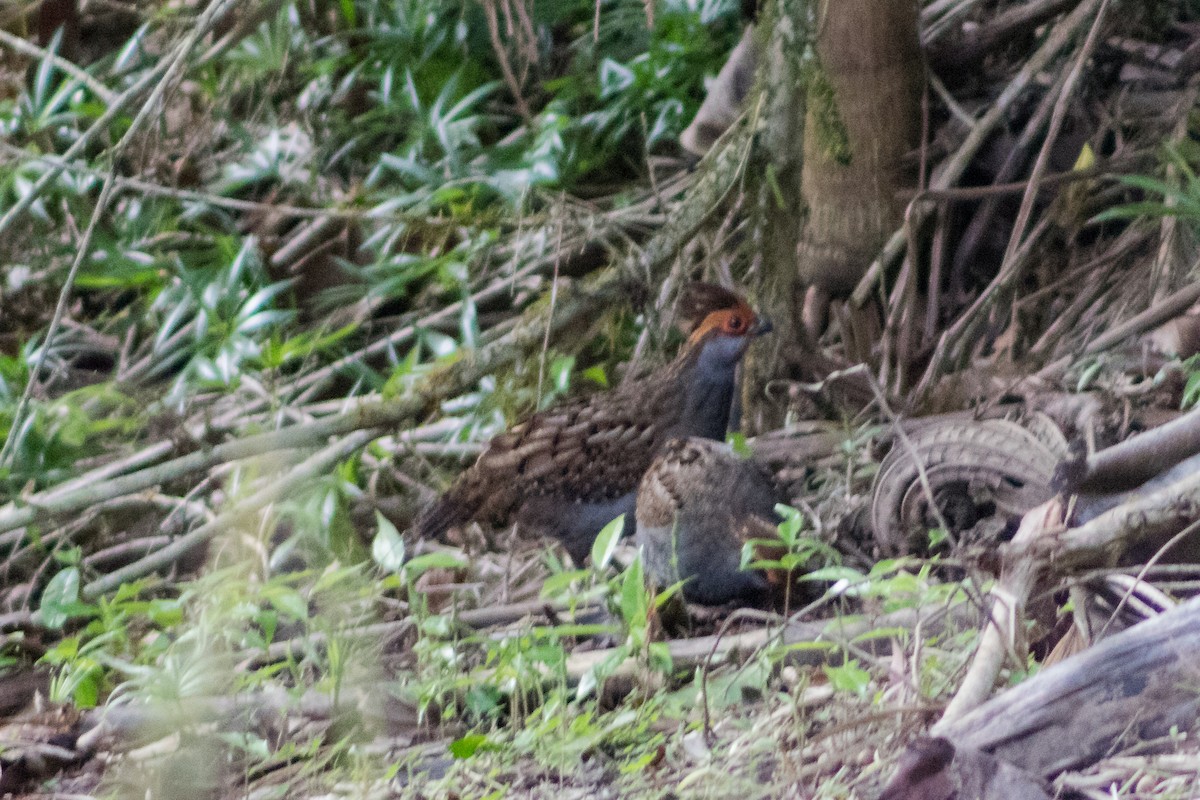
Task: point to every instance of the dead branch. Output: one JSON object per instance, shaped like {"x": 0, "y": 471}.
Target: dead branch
{"x": 1138, "y": 459}
{"x": 1007, "y": 615}
{"x": 1136, "y": 686}
{"x": 954, "y": 167}
{"x": 963, "y": 52}
{"x": 836, "y": 633}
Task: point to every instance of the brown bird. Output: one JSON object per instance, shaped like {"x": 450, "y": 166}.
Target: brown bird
{"x": 697, "y": 506}
{"x": 567, "y": 471}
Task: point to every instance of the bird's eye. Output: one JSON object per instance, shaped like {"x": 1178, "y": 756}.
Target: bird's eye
{"x": 734, "y": 324}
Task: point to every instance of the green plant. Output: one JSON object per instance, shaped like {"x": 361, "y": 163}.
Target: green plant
{"x": 795, "y": 552}
{"x": 1166, "y": 198}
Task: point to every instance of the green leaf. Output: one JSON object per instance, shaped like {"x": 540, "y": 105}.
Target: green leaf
{"x": 937, "y": 536}
{"x": 388, "y": 546}
{"x": 849, "y": 678}
{"x": 790, "y": 561}
{"x": 1087, "y": 376}
{"x": 560, "y": 373}
{"x": 792, "y": 523}
{"x": 737, "y": 441}
{"x": 1191, "y": 389}
{"x": 467, "y": 745}
{"x": 288, "y": 601}
{"x": 559, "y": 582}
{"x": 833, "y": 574}
{"x": 596, "y": 375}
{"x": 86, "y": 693}
{"x": 606, "y": 543}
{"x": 634, "y": 602}
{"x": 60, "y": 597}
{"x": 433, "y": 561}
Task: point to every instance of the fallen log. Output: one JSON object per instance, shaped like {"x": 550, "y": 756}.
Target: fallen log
{"x": 1135, "y": 686}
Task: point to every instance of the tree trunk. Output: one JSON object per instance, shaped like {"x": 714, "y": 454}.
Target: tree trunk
{"x": 861, "y": 119}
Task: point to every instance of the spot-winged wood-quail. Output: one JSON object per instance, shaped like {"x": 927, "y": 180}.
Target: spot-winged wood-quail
{"x": 567, "y": 471}
{"x": 697, "y": 506}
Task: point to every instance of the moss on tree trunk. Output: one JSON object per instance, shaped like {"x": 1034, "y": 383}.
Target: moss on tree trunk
{"x": 839, "y": 183}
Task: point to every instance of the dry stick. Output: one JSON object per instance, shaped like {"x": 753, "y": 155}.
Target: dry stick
{"x": 244, "y": 25}
{"x": 553, "y": 300}
{"x": 1132, "y": 690}
{"x": 313, "y": 382}
{"x": 996, "y": 31}
{"x": 981, "y": 220}
{"x": 938, "y": 17}
{"x": 837, "y": 632}
{"x": 514, "y": 86}
{"x": 956, "y": 339}
{"x": 937, "y": 260}
{"x": 380, "y": 632}
{"x": 1107, "y": 170}
{"x": 17, "y": 427}
{"x": 124, "y": 550}
{"x": 1009, "y": 597}
{"x": 312, "y": 467}
{"x": 1112, "y": 531}
{"x": 108, "y": 96}
{"x": 1056, "y": 121}
{"x": 111, "y": 469}
{"x": 474, "y": 618}
{"x": 957, "y": 164}
{"x": 1139, "y": 458}
{"x": 1152, "y": 317}
{"x": 1138, "y": 580}
{"x": 311, "y": 233}
{"x": 959, "y": 335}
{"x": 1129, "y": 240}
{"x": 897, "y": 329}
{"x": 1042, "y": 542}
{"x": 529, "y": 44}
{"x": 907, "y": 309}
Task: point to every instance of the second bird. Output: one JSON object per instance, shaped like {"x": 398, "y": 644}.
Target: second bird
{"x": 697, "y": 506}
{"x": 569, "y": 470}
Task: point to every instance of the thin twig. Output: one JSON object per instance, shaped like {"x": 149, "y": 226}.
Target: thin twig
{"x": 1056, "y": 121}
{"x": 953, "y": 168}
{"x": 1008, "y": 605}
{"x": 82, "y": 250}
{"x": 514, "y": 86}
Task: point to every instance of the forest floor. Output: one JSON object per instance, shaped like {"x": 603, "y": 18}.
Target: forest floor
{"x": 274, "y": 274}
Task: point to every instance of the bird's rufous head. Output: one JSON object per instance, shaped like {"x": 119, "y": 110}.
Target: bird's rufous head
{"x": 705, "y": 308}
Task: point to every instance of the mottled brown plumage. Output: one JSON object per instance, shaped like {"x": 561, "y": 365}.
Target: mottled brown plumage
{"x": 567, "y": 471}
{"x": 697, "y": 506}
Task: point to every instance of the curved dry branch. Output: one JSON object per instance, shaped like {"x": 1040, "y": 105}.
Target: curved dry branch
{"x": 1043, "y": 542}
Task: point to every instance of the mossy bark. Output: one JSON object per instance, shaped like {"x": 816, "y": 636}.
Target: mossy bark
{"x": 831, "y": 196}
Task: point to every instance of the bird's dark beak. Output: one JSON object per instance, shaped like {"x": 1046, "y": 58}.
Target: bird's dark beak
{"x": 762, "y": 325}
